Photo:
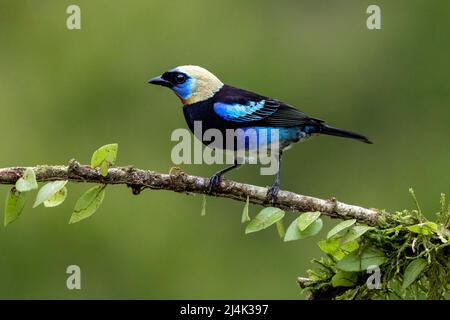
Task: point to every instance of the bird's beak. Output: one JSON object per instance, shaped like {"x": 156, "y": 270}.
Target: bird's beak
{"x": 160, "y": 82}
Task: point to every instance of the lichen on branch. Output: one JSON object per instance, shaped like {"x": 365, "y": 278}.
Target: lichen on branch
{"x": 139, "y": 179}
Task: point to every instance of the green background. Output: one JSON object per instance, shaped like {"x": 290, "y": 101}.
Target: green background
{"x": 64, "y": 93}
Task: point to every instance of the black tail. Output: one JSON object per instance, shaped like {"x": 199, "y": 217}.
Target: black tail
{"x": 324, "y": 129}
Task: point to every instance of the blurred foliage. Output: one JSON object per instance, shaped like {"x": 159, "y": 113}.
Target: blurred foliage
{"x": 66, "y": 92}
{"x": 404, "y": 257}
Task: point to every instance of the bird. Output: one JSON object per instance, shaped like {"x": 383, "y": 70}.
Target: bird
{"x": 220, "y": 106}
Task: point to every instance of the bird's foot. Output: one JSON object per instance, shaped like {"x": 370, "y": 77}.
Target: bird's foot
{"x": 272, "y": 193}
{"x": 214, "y": 181}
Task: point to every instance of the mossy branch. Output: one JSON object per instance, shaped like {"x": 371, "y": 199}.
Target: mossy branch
{"x": 178, "y": 181}
{"x": 411, "y": 252}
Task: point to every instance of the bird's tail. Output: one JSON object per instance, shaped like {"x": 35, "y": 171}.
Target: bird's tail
{"x": 325, "y": 129}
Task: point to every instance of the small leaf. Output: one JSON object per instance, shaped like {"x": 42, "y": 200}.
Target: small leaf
{"x": 432, "y": 225}
{"x": 354, "y": 233}
{"x": 394, "y": 229}
{"x": 48, "y": 190}
{"x": 424, "y": 228}
{"x": 245, "y": 216}
{"x": 15, "y": 201}
{"x": 88, "y": 203}
{"x": 340, "y": 227}
{"x": 358, "y": 262}
{"x": 104, "y": 157}
{"x": 280, "y": 228}
{"x": 265, "y": 218}
{"x": 294, "y": 233}
{"x": 335, "y": 249}
{"x": 306, "y": 219}
{"x": 56, "y": 199}
{"x": 27, "y": 182}
{"x": 344, "y": 279}
{"x": 351, "y": 262}
{"x": 372, "y": 256}
{"x": 412, "y": 271}
{"x": 203, "y": 213}
{"x": 104, "y": 168}
{"x": 312, "y": 229}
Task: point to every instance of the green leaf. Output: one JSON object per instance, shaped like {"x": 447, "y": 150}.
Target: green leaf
{"x": 335, "y": 249}
{"x": 203, "y": 213}
{"x": 412, "y": 271}
{"x": 104, "y": 168}
{"x": 394, "y": 229}
{"x": 294, "y": 233}
{"x": 88, "y": 203}
{"x": 372, "y": 256}
{"x": 280, "y": 228}
{"x": 341, "y": 227}
{"x": 245, "y": 216}
{"x": 312, "y": 229}
{"x": 15, "y": 201}
{"x": 265, "y": 218}
{"x": 104, "y": 157}
{"x": 344, "y": 279}
{"x": 358, "y": 262}
{"x": 48, "y": 190}
{"x": 354, "y": 233}
{"x": 424, "y": 228}
{"x": 56, "y": 199}
{"x": 351, "y": 262}
{"x": 306, "y": 219}
{"x": 27, "y": 182}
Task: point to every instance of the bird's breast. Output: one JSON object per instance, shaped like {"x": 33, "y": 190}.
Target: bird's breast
{"x": 202, "y": 114}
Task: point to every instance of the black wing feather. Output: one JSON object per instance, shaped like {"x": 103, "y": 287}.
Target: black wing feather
{"x": 274, "y": 113}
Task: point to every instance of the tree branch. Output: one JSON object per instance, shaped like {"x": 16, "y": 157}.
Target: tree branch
{"x": 139, "y": 179}
{"x": 326, "y": 293}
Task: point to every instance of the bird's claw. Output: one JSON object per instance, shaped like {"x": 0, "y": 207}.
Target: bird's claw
{"x": 214, "y": 181}
{"x": 272, "y": 193}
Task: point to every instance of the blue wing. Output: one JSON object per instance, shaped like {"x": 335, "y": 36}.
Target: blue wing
{"x": 247, "y": 108}
{"x": 249, "y": 112}
{"x": 270, "y": 113}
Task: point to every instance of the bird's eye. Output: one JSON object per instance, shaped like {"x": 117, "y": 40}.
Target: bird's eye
{"x": 180, "y": 78}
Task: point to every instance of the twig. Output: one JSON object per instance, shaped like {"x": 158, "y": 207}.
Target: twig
{"x": 325, "y": 293}
{"x": 303, "y": 282}
{"x": 139, "y": 179}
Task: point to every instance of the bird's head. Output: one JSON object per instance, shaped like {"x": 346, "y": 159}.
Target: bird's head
{"x": 190, "y": 83}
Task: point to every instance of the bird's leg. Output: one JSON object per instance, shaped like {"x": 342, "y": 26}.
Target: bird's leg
{"x": 272, "y": 192}
{"x": 216, "y": 178}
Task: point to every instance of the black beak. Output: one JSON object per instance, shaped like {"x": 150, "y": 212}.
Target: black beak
{"x": 160, "y": 82}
